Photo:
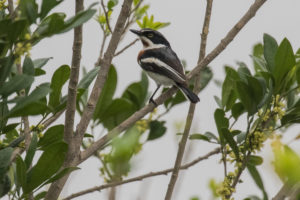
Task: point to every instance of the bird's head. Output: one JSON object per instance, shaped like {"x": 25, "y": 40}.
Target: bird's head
{"x": 151, "y": 38}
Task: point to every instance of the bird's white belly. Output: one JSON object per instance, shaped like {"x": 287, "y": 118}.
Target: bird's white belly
{"x": 160, "y": 80}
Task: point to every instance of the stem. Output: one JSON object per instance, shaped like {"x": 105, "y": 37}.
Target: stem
{"x": 192, "y": 107}
{"x": 73, "y": 148}
{"x": 139, "y": 178}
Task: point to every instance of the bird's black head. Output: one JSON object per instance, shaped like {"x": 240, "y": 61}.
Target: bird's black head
{"x": 151, "y": 38}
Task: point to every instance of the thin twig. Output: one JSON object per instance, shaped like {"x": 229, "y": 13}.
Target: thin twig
{"x": 149, "y": 108}
{"x": 52, "y": 119}
{"x": 106, "y": 16}
{"x": 126, "y": 47}
{"x": 139, "y": 178}
{"x": 192, "y": 107}
{"x": 11, "y": 8}
{"x": 73, "y": 149}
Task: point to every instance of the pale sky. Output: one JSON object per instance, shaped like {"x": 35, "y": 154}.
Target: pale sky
{"x": 280, "y": 18}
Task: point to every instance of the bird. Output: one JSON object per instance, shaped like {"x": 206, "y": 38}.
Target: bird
{"x": 161, "y": 63}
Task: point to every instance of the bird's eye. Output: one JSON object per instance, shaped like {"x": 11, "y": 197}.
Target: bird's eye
{"x": 150, "y": 35}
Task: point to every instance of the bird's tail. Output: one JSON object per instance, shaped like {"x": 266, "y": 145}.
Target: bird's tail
{"x": 188, "y": 93}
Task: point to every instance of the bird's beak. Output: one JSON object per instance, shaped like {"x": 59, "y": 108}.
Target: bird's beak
{"x": 136, "y": 32}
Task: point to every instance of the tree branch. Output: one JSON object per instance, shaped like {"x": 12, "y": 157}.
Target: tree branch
{"x": 57, "y": 186}
{"x": 190, "y": 116}
{"x": 11, "y": 8}
{"x": 102, "y": 75}
{"x": 126, "y": 47}
{"x": 139, "y": 178}
{"x": 149, "y": 108}
{"x": 106, "y": 16}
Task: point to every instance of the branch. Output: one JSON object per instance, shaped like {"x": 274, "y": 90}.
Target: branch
{"x": 139, "y": 178}
{"x": 102, "y": 75}
{"x": 126, "y": 47}
{"x": 11, "y": 8}
{"x": 57, "y": 186}
{"x": 148, "y": 108}
{"x": 229, "y": 37}
{"x": 190, "y": 116}
{"x": 106, "y": 16}
{"x": 52, "y": 119}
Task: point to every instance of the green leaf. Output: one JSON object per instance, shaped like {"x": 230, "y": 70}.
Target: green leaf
{"x": 59, "y": 175}
{"x": 40, "y": 92}
{"x": 48, "y": 5}
{"x": 52, "y": 135}
{"x": 198, "y": 136}
{"x": 88, "y": 78}
{"x": 5, "y": 185}
{"x": 137, "y": 92}
{"x": 246, "y": 96}
{"x": 157, "y": 129}
{"x": 39, "y": 72}
{"x": 270, "y": 49}
{"x": 15, "y": 29}
{"x": 5, "y": 155}
{"x": 232, "y": 143}
{"x": 28, "y": 67}
{"x": 5, "y": 68}
{"x": 256, "y": 89}
{"x": 59, "y": 78}
{"x": 31, "y": 150}
{"x": 15, "y": 84}
{"x": 258, "y": 180}
{"x": 20, "y": 172}
{"x": 53, "y": 156}
{"x": 3, "y": 112}
{"x": 80, "y": 18}
{"x": 284, "y": 62}
{"x": 206, "y": 76}
{"x": 237, "y": 110}
{"x": 29, "y": 9}
{"x": 39, "y": 63}
{"x": 111, "y": 4}
{"x": 119, "y": 110}
{"x": 107, "y": 93}
{"x": 8, "y": 127}
{"x": 255, "y": 160}
{"x": 221, "y": 122}
{"x": 40, "y": 195}
{"x": 228, "y": 88}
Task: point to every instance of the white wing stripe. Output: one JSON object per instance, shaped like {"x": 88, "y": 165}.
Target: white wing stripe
{"x": 159, "y": 63}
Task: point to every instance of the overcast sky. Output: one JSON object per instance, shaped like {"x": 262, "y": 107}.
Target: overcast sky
{"x": 280, "y": 18}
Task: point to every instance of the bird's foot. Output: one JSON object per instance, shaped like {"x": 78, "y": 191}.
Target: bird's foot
{"x": 152, "y": 101}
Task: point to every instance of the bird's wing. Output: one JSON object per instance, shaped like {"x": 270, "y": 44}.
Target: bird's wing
{"x": 163, "y": 61}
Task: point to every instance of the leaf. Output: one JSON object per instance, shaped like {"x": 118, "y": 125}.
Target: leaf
{"x": 80, "y": 18}
{"x": 284, "y": 62}
{"x": 28, "y": 67}
{"x": 53, "y": 156}
{"x": 20, "y": 171}
{"x": 88, "y": 78}
{"x": 255, "y": 160}
{"x": 232, "y": 143}
{"x": 111, "y": 4}
{"x": 237, "y": 110}
{"x": 15, "y": 84}
{"x": 270, "y": 49}
{"x": 48, "y": 5}
{"x": 119, "y": 110}
{"x": 258, "y": 180}
{"x": 221, "y": 122}
{"x": 198, "y": 136}
{"x": 246, "y": 97}
{"x": 40, "y": 92}
{"x": 39, "y": 63}
{"x": 29, "y": 9}
{"x": 107, "y": 93}
{"x": 228, "y": 88}
{"x": 59, "y": 78}
{"x": 5, "y": 185}
{"x": 5, "y": 68}
{"x": 59, "y": 175}
{"x": 52, "y": 135}
{"x": 40, "y": 195}
{"x": 5, "y": 155}
{"x": 31, "y": 150}
{"x": 3, "y": 112}
{"x": 157, "y": 129}
{"x": 206, "y": 76}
